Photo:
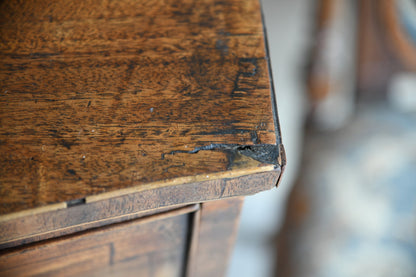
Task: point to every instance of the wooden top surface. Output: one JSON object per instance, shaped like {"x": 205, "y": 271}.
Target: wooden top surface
{"x": 98, "y": 96}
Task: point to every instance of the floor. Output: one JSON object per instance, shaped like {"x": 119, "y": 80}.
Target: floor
{"x": 353, "y": 210}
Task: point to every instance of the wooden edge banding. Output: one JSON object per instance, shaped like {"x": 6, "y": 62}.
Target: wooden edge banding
{"x": 106, "y": 221}
{"x": 149, "y": 186}
{"x": 282, "y": 162}
{"x": 36, "y": 227}
{"x": 31, "y": 212}
{"x": 178, "y": 181}
{"x": 175, "y": 212}
{"x": 171, "y": 213}
{"x": 270, "y": 73}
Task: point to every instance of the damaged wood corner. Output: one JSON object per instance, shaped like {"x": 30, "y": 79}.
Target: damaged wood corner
{"x": 264, "y": 153}
{"x": 281, "y": 162}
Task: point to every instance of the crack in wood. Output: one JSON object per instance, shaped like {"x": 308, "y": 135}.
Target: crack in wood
{"x": 264, "y": 153}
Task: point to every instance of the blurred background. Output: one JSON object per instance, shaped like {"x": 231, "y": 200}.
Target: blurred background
{"x": 345, "y": 79}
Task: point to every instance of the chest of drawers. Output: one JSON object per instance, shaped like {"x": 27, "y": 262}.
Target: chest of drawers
{"x": 130, "y": 131}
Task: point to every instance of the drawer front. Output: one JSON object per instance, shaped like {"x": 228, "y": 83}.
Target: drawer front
{"x": 153, "y": 246}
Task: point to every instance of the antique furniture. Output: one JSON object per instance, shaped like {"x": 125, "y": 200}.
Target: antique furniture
{"x": 129, "y": 132}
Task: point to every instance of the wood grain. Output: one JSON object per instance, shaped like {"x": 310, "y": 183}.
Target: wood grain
{"x": 26, "y": 229}
{"x": 153, "y": 246}
{"x": 216, "y": 236}
{"x": 97, "y": 96}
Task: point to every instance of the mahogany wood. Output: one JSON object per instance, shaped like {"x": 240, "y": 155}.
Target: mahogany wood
{"x": 154, "y": 246}
{"x": 217, "y": 234}
{"x": 116, "y": 117}
{"x": 25, "y": 229}
{"x": 100, "y": 96}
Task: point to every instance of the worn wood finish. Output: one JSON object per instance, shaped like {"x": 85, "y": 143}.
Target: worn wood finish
{"x": 97, "y": 96}
{"x": 154, "y": 246}
{"x": 216, "y": 236}
{"x": 25, "y": 229}
{"x": 118, "y": 121}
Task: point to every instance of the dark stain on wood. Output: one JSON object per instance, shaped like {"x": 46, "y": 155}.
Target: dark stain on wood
{"x": 75, "y": 202}
{"x": 265, "y": 153}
